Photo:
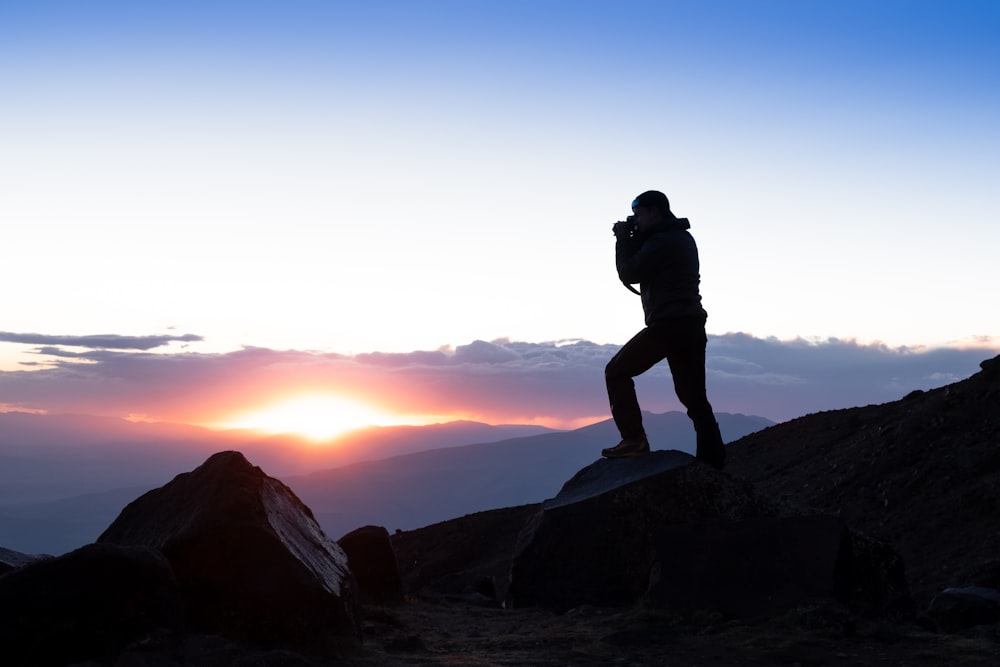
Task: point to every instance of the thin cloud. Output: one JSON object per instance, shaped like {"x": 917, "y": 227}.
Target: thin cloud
{"x": 97, "y": 342}
{"x": 498, "y": 381}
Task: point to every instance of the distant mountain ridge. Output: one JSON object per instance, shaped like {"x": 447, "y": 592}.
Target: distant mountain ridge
{"x": 63, "y": 479}
{"x": 408, "y": 492}
{"x": 51, "y": 457}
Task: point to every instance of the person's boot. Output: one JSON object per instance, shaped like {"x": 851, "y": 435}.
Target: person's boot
{"x": 627, "y": 447}
{"x": 711, "y": 449}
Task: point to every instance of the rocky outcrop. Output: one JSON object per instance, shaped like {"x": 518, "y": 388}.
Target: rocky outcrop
{"x": 373, "y": 563}
{"x": 251, "y": 562}
{"x": 591, "y": 543}
{"x": 674, "y": 533}
{"x": 920, "y": 473}
{"x": 85, "y": 605}
{"x": 467, "y": 558}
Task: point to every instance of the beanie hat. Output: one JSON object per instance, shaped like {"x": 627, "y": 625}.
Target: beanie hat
{"x": 652, "y": 199}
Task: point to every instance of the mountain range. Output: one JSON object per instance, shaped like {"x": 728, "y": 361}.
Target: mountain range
{"x": 64, "y": 478}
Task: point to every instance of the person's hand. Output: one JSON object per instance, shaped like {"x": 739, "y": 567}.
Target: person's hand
{"x": 623, "y": 228}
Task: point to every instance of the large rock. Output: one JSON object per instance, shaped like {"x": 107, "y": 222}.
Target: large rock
{"x": 251, "y": 561}
{"x": 467, "y": 558}
{"x": 88, "y": 604}
{"x": 677, "y": 534}
{"x": 591, "y": 544}
{"x": 373, "y": 563}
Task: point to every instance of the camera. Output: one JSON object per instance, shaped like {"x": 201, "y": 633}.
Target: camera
{"x": 627, "y": 227}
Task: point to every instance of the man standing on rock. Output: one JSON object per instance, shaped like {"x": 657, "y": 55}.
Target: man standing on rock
{"x": 655, "y": 250}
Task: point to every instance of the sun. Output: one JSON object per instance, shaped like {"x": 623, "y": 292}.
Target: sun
{"x": 318, "y": 417}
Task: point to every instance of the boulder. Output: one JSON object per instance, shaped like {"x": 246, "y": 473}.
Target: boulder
{"x": 373, "y": 563}
{"x": 674, "y": 533}
{"x": 251, "y": 562}
{"x": 88, "y": 604}
{"x": 467, "y": 558}
{"x": 591, "y": 544}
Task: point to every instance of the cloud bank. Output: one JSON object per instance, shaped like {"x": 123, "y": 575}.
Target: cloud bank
{"x": 557, "y": 383}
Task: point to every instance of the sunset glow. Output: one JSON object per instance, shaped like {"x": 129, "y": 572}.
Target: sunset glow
{"x": 308, "y": 217}
{"x": 315, "y": 417}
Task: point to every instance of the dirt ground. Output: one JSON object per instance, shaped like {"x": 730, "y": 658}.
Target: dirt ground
{"x": 455, "y": 632}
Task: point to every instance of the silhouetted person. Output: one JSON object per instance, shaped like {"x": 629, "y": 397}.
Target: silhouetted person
{"x": 655, "y": 250}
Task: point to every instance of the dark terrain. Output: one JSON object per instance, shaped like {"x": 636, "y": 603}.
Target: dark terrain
{"x": 921, "y": 473}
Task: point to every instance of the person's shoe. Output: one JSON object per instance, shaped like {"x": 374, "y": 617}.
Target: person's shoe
{"x": 627, "y": 447}
{"x": 710, "y": 447}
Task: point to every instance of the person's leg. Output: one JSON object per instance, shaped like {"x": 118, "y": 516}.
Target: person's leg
{"x": 637, "y": 356}
{"x": 686, "y": 356}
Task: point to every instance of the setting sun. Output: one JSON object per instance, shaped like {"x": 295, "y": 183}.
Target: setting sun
{"x": 316, "y": 417}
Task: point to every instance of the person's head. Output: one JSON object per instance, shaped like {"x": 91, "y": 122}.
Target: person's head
{"x": 649, "y": 208}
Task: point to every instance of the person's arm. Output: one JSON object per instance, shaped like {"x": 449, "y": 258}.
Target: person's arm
{"x": 636, "y": 259}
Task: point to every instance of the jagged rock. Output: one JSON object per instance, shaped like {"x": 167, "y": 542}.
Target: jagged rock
{"x": 676, "y": 534}
{"x": 85, "y": 605}
{"x": 251, "y": 561}
{"x": 373, "y": 563}
{"x": 466, "y": 558}
{"x": 960, "y": 608}
{"x": 11, "y": 560}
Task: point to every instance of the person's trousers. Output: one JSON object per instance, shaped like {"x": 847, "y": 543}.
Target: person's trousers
{"x": 682, "y": 343}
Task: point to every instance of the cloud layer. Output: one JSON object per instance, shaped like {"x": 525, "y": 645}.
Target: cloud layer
{"x": 555, "y": 383}
{"x": 103, "y": 341}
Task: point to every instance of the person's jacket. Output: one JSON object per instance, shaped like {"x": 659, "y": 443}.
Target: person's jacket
{"x": 664, "y": 262}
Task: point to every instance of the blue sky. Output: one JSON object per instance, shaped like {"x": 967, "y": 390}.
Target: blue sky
{"x": 353, "y": 177}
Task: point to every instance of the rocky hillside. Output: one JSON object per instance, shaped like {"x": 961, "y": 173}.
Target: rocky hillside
{"x": 921, "y": 473}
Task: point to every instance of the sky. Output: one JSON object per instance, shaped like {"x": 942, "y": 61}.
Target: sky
{"x": 313, "y": 191}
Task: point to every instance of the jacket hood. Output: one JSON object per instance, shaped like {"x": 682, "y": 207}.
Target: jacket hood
{"x": 677, "y": 223}
{"x": 671, "y": 224}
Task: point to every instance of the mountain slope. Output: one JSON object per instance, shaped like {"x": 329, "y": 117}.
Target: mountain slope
{"x": 922, "y": 473}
